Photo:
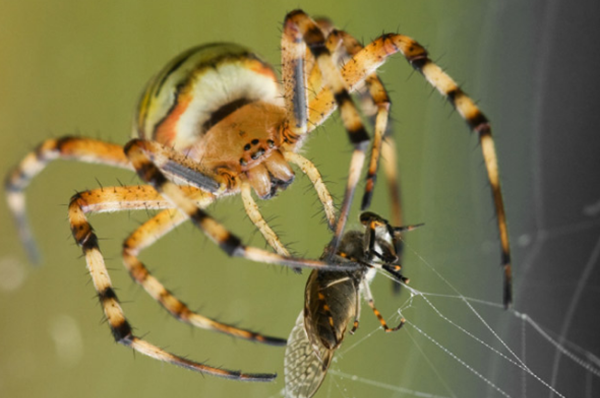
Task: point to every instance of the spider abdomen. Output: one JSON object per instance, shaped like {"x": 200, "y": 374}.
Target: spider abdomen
{"x": 199, "y": 88}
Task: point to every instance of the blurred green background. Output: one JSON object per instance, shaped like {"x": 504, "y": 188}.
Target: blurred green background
{"x": 73, "y": 67}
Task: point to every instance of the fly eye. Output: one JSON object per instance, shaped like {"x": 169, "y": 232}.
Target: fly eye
{"x": 367, "y": 216}
{"x": 386, "y": 256}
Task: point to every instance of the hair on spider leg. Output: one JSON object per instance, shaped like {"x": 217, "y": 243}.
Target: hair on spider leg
{"x": 322, "y": 217}
{"x": 124, "y": 302}
{"x": 319, "y": 214}
{"x": 88, "y": 279}
{"x": 270, "y": 219}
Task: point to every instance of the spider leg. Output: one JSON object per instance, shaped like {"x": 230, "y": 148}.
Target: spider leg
{"x": 67, "y": 148}
{"x": 375, "y": 103}
{"x": 141, "y": 154}
{"x": 182, "y": 169}
{"x": 366, "y": 290}
{"x": 366, "y": 61}
{"x": 293, "y": 73}
{"x": 299, "y": 31}
{"x": 377, "y": 94}
{"x": 258, "y": 220}
{"x": 145, "y": 197}
{"x": 88, "y": 241}
{"x": 390, "y": 165}
{"x": 313, "y": 174}
{"x": 148, "y": 234}
{"x": 315, "y": 77}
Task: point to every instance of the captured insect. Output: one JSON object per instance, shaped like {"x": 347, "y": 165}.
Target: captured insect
{"x": 216, "y": 122}
{"x": 332, "y": 302}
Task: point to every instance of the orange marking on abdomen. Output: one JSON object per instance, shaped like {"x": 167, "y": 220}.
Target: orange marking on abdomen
{"x": 166, "y": 132}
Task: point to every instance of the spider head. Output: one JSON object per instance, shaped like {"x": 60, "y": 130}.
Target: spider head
{"x": 257, "y": 129}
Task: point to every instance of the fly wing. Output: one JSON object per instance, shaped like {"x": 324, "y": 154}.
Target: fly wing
{"x": 305, "y": 363}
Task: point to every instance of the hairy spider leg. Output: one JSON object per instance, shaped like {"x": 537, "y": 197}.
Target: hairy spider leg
{"x": 113, "y": 199}
{"x": 69, "y": 148}
{"x": 390, "y": 165}
{"x": 257, "y": 219}
{"x": 130, "y": 198}
{"x": 376, "y": 105}
{"x": 141, "y": 154}
{"x": 367, "y": 60}
{"x": 311, "y": 171}
{"x": 300, "y": 31}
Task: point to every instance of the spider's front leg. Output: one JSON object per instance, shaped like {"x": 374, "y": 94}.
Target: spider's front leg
{"x": 371, "y": 57}
{"x": 383, "y": 140}
{"x": 299, "y": 31}
{"x": 142, "y": 154}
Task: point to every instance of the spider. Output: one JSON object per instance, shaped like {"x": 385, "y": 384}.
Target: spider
{"x": 332, "y": 301}
{"x": 216, "y": 122}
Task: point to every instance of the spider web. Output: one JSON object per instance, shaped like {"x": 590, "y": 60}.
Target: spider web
{"x": 458, "y": 341}
{"x": 519, "y": 357}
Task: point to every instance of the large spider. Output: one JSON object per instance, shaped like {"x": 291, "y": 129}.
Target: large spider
{"x": 213, "y": 123}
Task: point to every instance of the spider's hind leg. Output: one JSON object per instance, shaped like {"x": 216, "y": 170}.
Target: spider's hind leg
{"x": 122, "y": 198}
{"x": 146, "y": 235}
{"x": 66, "y": 148}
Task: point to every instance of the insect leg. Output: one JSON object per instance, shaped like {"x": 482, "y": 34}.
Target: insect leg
{"x": 366, "y": 290}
